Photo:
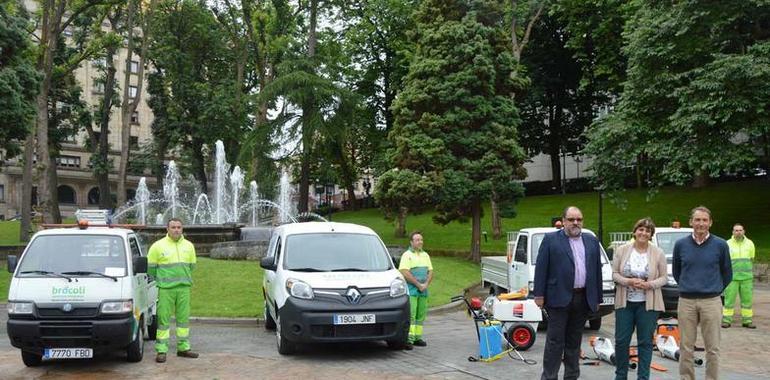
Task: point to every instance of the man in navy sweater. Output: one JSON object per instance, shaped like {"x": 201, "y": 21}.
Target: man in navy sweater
{"x": 703, "y": 270}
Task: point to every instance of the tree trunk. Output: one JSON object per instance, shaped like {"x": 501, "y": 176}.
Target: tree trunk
{"x": 26, "y": 188}
{"x": 199, "y": 164}
{"x": 700, "y": 180}
{"x": 53, "y": 179}
{"x": 555, "y": 169}
{"x": 102, "y": 148}
{"x": 401, "y": 222}
{"x": 476, "y": 231}
{"x": 308, "y": 110}
{"x": 497, "y": 220}
{"x": 128, "y": 107}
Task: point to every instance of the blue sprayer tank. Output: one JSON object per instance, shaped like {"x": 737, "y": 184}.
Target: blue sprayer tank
{"x": 490, "y": 340}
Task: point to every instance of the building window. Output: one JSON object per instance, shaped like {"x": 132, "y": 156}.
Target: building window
{"x": 130, "y": 194}
{"x": 66, "y": 194}
{"x": 135, "y": 117}
{"x": 134, "y": 67}
{"x": 99, "y": 62}
{"x": 67, "y": 32}
{"x": 132, "y": 91}
{"x": 2, "y": 193}
{"x": 133, "y": 142}
{"x": 98, "y": 87}
{"x": 68, "y": 161}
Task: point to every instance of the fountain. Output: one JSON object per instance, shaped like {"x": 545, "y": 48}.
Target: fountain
{"x": 231, "y": 212}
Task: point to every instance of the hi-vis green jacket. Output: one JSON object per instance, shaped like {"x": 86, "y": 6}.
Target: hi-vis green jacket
{"x": 742, "y": 257}
{"x": 171, "y": 262}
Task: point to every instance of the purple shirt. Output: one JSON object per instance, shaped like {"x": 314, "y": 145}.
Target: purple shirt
{"x": 579, "y": 257}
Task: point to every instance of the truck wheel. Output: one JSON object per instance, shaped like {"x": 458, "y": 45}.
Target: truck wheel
{"x": 31, "y": 359}
{"x": 269, "y": 321}
{"x": 152, "y": 329}
{"x": 135, "y": 350}
{"x": 595, "y": 324}
{"x": 284, "y": 346}
{"x": 521, "y": 336}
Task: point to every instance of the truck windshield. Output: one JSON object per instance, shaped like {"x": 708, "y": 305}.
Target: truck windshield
{"x": 335, "y": 252}
{"x": 666, "y": 241}
{"x": 75, "y": 253}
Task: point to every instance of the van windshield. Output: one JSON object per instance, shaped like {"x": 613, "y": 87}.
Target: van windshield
{"x": 323, "y": 252}
{"x": 75, "y": 253}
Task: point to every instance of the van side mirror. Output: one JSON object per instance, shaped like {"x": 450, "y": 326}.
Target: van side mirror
{"x": 267, "y": 263}
{"x": 140, "y": 264}
{"x": 610, "y": 253}
{"x": 12, "y": 261}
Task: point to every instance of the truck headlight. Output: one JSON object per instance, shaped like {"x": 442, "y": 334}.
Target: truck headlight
{"x": 299, "y": 289}
{"x": 670, "y": 281}
{"x": 117, "y": 307}
{"x": 20, "y": 307}
{"x": 397, "y": 287}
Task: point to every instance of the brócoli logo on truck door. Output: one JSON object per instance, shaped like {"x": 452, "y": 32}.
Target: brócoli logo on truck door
{"x": 68, "y": 293}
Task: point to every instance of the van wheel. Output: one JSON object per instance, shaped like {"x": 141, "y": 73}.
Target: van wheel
{"x": 595, "y": 324}
{"x": 135, "y": 350}
{"x": 284, "y": 346}
{"x": 400, "y": 342}
{"x": 31, "y": 359}
{"x": 269, "y": 321}
{"x": 152, "y": 329}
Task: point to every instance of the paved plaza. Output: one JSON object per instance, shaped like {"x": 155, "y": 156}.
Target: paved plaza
{"x": 246, "y": 351}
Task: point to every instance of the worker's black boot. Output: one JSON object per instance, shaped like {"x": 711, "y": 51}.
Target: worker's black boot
{"x": 187, "y": 354}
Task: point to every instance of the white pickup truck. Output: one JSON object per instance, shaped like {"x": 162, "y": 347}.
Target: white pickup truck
{"x": 510, "y": 273}
{"x": 79, "y": 290}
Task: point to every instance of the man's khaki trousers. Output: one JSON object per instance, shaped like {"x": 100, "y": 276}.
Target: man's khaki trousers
{"x": 706, "y": 312}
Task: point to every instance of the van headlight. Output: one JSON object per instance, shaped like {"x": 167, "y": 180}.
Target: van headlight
{"x": 608, "y": 285}
{"x": 117, "y": 307}
{"x": 20, "y": 307}
{"x": 397, "y": 287}
{"x": 670, "y": 281}
{"x": 299, "y": 289}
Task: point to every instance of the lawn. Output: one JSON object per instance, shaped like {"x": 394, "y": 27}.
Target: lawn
{"x": 233, "y": 288}
{"x": 5, "y": 281}
{"x": 9, "y": 232}
{"x": 744, "y": 202}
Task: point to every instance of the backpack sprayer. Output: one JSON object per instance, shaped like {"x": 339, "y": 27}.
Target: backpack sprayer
{"x": 491, "y": 332}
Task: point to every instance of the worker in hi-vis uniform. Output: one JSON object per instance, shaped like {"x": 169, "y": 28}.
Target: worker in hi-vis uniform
{"x": 416, "y": 267}
{"x": 171, "y": 261}
{"x": 742, "y": 257}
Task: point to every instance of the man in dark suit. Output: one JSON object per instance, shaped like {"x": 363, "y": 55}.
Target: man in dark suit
{"x": 568, "y": 283}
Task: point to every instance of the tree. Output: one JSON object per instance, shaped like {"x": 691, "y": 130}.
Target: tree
{"x": 697, "y": 90}
{"x": 129, "y": 104}
{"x": 192, "y": 56}
{"x": 455, "y": 121}
{"x": 400, "y": 192}
{"x": 18, "y": 78}
{"x": 52, "y": 24}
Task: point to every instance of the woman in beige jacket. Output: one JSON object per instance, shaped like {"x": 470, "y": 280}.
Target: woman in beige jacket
{"x": 639, "y": 271}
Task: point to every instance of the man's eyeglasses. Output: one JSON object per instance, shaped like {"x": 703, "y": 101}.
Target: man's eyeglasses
{"x": 574, "y": 220}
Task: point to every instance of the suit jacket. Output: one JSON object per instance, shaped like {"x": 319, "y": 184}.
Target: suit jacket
{"x": 555, "y": 270}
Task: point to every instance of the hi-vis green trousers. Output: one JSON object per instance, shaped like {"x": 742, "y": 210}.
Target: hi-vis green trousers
{"x": 170, "y": 300}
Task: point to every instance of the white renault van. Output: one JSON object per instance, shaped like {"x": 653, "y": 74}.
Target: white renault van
{"x": 332, "y": 282}
{"x": 79, "y": 290}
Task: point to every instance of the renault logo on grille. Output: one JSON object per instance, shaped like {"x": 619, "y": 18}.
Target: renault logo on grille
{"x": 67, "y": 307}
{"x": 354, "y": 296}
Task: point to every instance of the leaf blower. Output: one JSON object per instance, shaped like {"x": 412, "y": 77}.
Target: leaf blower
{"x": 603, "y": 348}
{"x": 668, "y": 348}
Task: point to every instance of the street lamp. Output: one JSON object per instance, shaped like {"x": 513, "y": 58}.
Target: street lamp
{"x": 329, "y": 192}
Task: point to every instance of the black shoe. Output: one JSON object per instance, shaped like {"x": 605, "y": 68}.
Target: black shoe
{"x": 161, "y": 358}
{"x": 749, "y": 325}
{"x": 408, "y": 347}
{"x": 420, "y": 343}
{"x": 187, "y": 354}
{"x": 725, "y": 325}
